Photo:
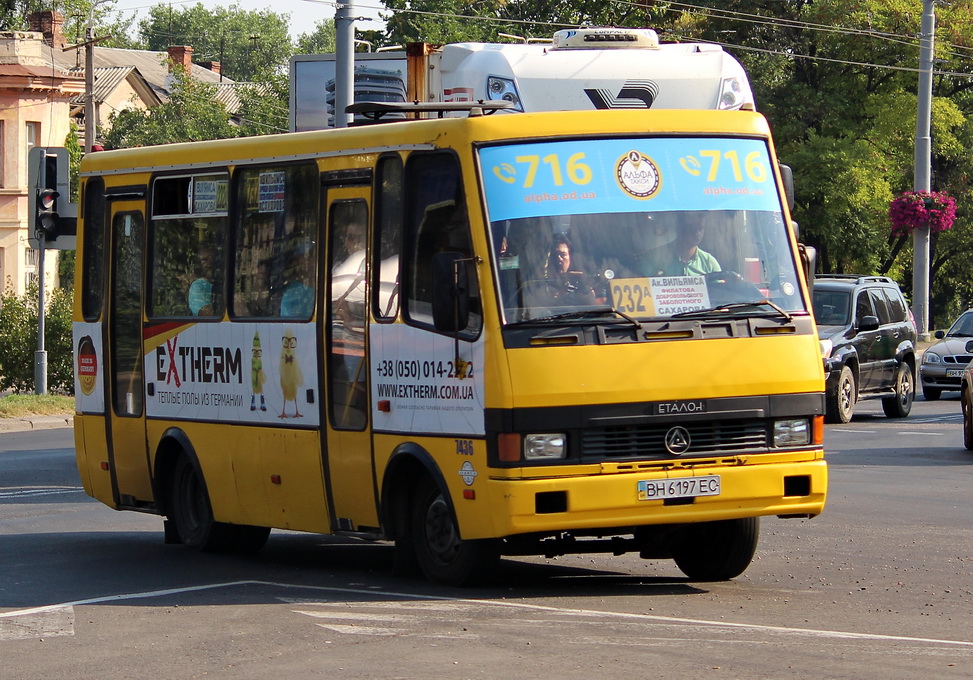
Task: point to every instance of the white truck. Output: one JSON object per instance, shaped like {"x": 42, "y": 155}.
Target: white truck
{"x": 585, "y": 68}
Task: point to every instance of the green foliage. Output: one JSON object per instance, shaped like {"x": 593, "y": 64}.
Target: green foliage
{"x": 442, "y": 21}
{"x": 191, "y": 114}
{"x": 263, "y": 107}
{"x": 18, "y": 341}
{"x": 246, "y": 43}
{"x": 319, "y": 41}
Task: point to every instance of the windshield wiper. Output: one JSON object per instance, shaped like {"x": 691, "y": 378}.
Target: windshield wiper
{"x": 577, "y": 314}
{"x": 729, "y": 308}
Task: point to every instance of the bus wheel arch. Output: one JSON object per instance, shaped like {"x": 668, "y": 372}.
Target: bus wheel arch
{"x": 183, "y": 497}
{"x": 418, "y": 514}
{"x": 408, "y": 464}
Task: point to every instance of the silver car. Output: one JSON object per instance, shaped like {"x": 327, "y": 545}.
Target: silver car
{"x": 943, "y": 363}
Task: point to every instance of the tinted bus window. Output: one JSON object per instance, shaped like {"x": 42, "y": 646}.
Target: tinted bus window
{"x": 437, "y": 222}
{"x": 188, "y": 241}
{"x": 275, "y": 242}
{"x": 388, "y": 238}
{"x": 92, "y": 282}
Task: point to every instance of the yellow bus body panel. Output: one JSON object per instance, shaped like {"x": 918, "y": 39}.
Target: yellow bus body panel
{"x": 241, "y": 466}
{"x": 91, "y": 450}
{"x": 665, "y": 371}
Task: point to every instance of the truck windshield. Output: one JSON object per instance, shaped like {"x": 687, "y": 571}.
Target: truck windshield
{"x": 649, "y": 227}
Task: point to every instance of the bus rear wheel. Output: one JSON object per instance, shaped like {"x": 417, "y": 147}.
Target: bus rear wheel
{"x": 442, "y": 555}
{"x": 192, "y": 515}
{"x": 716, "y": 551}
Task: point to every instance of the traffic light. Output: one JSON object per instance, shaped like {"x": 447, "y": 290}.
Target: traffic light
{"x": 53, "y": 216}
{"x": 47, "y": 218}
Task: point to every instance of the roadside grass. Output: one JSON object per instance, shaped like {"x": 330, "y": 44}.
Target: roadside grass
{"x": 23, "y": 405}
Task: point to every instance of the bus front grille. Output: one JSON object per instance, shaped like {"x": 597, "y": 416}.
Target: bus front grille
{"x": 648, "y": 441}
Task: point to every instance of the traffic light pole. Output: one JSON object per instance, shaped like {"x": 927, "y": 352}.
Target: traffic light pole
{"x": 40, "y": 356}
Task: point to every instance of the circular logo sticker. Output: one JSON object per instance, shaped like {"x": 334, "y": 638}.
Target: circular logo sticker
{"x": 637, "y": 175}
{"x": 87, "y": 365}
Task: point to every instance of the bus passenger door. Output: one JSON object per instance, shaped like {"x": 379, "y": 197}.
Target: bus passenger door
{"x": 348, "y": 449}
{"x": 126, "y": 385}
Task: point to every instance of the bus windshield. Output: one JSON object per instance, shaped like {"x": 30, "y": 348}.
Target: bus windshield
{"x": 649, "y": 227}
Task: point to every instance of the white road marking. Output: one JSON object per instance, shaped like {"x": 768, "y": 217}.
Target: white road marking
{"x": 625, "y": 616}
{"x": 355, "y": 616}
{"x": 26, "y": 492}
{"x": 56, "y": 622}
{"x": 853, "y": 431}
{"x": 361, "y": 630}
{"x": 927, "y": 434}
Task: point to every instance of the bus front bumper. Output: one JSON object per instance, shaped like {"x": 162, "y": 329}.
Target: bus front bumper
{"x": 602, "y": 502}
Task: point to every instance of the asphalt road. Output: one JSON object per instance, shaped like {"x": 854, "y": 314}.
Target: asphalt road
{"x": 879, "y": 586}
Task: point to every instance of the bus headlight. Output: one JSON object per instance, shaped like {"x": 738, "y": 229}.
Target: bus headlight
{"x": 544, "y": 446}
{"x": 731, "y": 94}
{"x": 794, "y": 432}
{"x": 505, "y": 89}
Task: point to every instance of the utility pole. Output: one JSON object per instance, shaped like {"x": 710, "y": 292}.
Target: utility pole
{"x": 923, "y": 170}
{"x": 344, "y": 62}
{"x": 90, "y": 123}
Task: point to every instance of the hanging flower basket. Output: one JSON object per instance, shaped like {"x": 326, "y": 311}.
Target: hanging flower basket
{"x": 911, "y": 210}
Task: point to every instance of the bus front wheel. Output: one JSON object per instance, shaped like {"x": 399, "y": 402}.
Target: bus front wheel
{"x": 189, "y": 509}
{"x": 442, "y": 555}
{"x": 716, "y": 551}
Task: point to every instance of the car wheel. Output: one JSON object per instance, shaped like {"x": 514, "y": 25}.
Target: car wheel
{"x": 841, "y": 405}
{"x": 931, "y": 393}
{"x": 967, "y": 420}
{"x": 900, "y": 405}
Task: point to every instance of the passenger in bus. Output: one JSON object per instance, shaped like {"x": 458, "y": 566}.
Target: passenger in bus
{"x": 572, "y": 285}
{"x": 297, "y": 300}
{"x": 200, "y": 297}
{"x": 348, "y": 277}
{"x": 688, "y": 259}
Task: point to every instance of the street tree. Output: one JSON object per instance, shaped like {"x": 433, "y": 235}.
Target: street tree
{"x": 246, "y": 43}
{"x": 191, "y": 114}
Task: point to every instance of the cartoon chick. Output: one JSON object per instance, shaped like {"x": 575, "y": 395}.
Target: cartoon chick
{"x": 257, "y": 376}
{"x": 290, "y": 372}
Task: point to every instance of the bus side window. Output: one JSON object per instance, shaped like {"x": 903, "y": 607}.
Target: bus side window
{"x": 437, "y": 222}
{"x": 276, "y": 252}
{"x": 187, "y": 266}
{"x": 93, "y": 244}
{"x": 388, "y": 238}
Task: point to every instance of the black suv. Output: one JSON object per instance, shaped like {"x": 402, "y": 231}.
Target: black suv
{"x": 868, "y": 340}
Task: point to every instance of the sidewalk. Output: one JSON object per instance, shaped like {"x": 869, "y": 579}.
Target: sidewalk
{"x": 35, "y": 423}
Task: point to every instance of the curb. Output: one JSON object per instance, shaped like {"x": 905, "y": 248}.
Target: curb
{"x": 35, "y": 423}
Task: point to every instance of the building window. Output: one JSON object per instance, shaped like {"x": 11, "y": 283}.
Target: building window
{"x": 33, "y": 136}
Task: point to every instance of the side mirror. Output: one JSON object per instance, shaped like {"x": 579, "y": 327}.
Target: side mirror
{"x": 868, "y": 323}
{"x": 787, "y": 177}
{"x": 939, "y": 335}
{"x": 450, "y": 292}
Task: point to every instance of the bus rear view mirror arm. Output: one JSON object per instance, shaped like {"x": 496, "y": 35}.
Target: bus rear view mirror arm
{"x": 450, "y": 292}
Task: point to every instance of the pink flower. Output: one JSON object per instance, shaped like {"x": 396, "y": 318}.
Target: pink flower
{"x": 911, "y": 210}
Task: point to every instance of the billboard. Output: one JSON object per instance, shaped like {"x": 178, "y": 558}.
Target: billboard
{"x": 379, "y": 77}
